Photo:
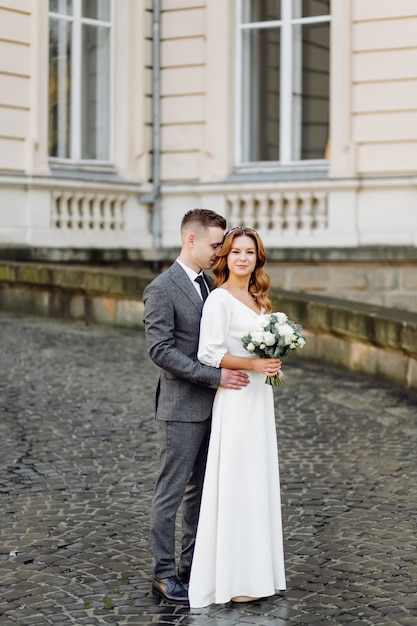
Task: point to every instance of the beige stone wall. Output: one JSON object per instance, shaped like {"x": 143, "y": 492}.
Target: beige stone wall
{"x": 15, "y": 83}
{"x": 198, "y": 97}
{"x": 133, "y": 89}
{"x": 183, "y": 54}
{"x": 384, "y": 78}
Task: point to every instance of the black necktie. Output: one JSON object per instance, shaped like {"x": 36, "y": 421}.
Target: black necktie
{"x": 203, "y": 288}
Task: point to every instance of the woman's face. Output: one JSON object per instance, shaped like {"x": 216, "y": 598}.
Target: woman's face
{"x": 242, "y": 257}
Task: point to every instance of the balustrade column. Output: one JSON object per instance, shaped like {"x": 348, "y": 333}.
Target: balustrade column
{"x": 306, "y": 219}
{"x": 262, "y": 217}
{"x": 291, "y": 216}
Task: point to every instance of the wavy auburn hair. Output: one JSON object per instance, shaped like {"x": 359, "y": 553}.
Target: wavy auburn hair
{"x": 259, "y": 282}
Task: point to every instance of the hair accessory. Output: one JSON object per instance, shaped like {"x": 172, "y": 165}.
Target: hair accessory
{"x": 244, "y": 230}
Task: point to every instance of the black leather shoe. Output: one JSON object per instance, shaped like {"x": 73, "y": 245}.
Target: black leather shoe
{"x": 184, "y": 574}
{"x": 170, "y": 589}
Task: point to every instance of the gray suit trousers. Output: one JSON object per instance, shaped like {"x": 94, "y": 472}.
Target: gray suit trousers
{"x": 183, "y": 453}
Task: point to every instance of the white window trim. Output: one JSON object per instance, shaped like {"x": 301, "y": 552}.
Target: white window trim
{"x": 75, "y": 123}
{"x": 286, "y": 122}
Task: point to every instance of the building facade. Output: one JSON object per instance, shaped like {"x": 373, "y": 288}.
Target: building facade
{"x": 296, "y": 117}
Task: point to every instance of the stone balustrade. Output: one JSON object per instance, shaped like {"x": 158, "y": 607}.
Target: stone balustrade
{"x": 76, "y": 211}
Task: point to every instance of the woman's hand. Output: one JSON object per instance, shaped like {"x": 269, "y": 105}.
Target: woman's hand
{"x": 269, "y": 367}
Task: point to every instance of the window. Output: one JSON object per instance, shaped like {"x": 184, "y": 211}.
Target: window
{"x": 80, "y": 33}
{"x": 284, "y": 80}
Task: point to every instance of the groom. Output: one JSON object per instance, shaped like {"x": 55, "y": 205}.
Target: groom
{"x": 184, "y": 396}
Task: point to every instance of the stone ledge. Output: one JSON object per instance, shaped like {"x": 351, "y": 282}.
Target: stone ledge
{"x": 365, "y": 338}
{"x": 379, "y": 326}
{"x": 362, "y": 337}
{"x": 78, "y": 278}
{"x": 355, "y": 254}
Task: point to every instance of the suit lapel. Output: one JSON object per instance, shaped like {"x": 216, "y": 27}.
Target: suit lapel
{"x": 180, "y": 278}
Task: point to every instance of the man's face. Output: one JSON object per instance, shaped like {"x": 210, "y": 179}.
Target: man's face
{"x": 206, "y": 245}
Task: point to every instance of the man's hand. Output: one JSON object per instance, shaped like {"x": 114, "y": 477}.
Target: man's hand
{"x": 233, "y": 379}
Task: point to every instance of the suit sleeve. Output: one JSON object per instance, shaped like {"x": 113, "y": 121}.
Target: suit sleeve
{"x": 161, "y": 337}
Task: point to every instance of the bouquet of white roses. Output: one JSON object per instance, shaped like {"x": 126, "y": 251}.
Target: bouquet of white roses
{"x": 273, "y": 336}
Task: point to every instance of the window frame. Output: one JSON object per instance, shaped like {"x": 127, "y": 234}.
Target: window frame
{"x": 77, "y": 21}
{"x": 287, "y": 131}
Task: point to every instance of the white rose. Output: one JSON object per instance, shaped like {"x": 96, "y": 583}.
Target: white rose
{"x": 281, "y": 318}
{"x": 257, "y": 336}
{"x": 285, "y": 330}
{"x": 250, "y": 347}
{"x": 269, "y": 338}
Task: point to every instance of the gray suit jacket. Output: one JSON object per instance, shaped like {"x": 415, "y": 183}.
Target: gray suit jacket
{"x": 186, "y": 387}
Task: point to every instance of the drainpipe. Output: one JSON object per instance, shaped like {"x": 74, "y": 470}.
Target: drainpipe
{"x": 155, "y": 197}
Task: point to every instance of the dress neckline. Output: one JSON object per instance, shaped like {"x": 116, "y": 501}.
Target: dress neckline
{"x": 242, "y": 303}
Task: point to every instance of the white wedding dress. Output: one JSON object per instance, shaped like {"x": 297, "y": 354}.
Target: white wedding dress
{"x": 239, "y": 545}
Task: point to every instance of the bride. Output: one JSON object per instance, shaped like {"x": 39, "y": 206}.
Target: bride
{"x": 239, "y": 553}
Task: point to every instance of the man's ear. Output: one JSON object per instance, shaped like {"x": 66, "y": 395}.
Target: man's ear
{"x": 191, "y": 240}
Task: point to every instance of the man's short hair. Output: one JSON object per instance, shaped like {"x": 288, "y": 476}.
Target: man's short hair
{"x": 202, "y": 218}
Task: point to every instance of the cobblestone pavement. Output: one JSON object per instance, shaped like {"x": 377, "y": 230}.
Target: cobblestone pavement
{"x": 77, "y": 468}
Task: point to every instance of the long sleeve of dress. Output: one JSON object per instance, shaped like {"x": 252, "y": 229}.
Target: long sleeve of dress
{"x": 215, "y": 323}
